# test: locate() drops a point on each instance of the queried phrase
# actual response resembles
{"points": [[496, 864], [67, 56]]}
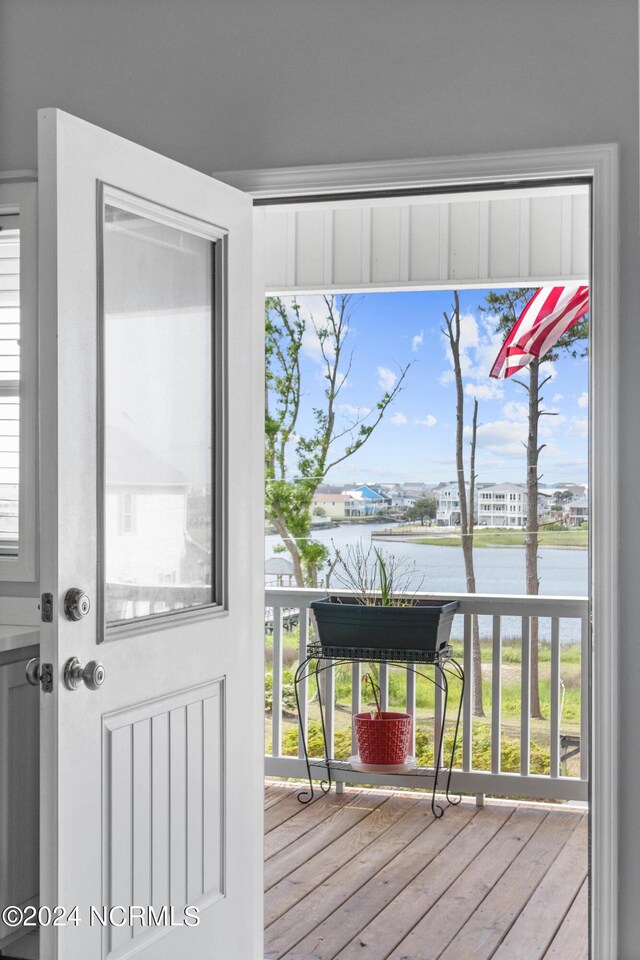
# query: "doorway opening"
{"points": [[404, 267]]}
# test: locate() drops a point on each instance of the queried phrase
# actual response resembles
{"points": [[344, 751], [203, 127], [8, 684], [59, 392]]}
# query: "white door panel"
{"points": [[151, 792]]}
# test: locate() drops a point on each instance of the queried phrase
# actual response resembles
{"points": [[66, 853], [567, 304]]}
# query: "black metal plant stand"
{"points": [[322, 658]]}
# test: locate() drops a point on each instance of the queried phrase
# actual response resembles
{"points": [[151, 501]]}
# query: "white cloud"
{"points": [[387, 379], [398, 419], [485, 391], [557, 397], [548, 369], [429, 421], [515, 411], [583, 400], [503, 437], [417, 341], [350, 411], [480, 344], [579, 427]]}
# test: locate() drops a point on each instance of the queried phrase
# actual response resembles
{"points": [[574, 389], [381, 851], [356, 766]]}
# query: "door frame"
{"points": [[599, 164]]}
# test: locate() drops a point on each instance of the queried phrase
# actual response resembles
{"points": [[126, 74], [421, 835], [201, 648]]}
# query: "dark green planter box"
{"points": [[345, 622]]}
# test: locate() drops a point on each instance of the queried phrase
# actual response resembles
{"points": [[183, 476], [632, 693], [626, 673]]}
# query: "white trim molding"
{"points": [[597, 164]]}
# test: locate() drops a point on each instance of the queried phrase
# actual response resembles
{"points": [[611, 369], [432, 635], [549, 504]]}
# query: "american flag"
{"points": [[550, 313]]}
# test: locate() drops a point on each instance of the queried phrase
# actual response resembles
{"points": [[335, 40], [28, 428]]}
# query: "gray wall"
{"points": [[224, 84]]}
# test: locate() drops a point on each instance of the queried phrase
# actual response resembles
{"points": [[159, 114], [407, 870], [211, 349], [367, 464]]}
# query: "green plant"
{"points": [[288, 691], [374, 577], [315, 744]]}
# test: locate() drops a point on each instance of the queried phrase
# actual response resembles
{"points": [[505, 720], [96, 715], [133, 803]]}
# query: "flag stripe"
{"points": [[547, 316]]}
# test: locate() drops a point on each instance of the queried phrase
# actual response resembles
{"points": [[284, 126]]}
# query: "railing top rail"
{"points": [[489, 604]]}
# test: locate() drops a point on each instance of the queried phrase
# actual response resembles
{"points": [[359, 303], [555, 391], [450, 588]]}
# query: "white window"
{"points": [[127, 513]]}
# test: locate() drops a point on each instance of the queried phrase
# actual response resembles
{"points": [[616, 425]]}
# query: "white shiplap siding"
{"points": [[529, 236]]}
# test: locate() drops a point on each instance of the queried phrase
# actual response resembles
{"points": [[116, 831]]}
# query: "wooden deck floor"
{"points": [[372, 875]]}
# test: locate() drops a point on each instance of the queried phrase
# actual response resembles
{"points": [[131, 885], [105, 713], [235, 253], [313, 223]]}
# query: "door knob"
{"points": [[76, 604], [40, 674], [32, 671], [75, 673]]}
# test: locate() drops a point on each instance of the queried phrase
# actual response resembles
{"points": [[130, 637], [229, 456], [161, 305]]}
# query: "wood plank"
{"points": [[443, 921], [483, 933], [308, 816], [306, 897], [538, 923], [341, 885], [571, 942], [287, 807], [315, 827], [388, 917], [276, 790], [313, 870], [340, 928]]}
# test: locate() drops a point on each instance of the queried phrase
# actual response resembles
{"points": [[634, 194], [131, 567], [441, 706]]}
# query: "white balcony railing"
{"points": [[556, 616]]}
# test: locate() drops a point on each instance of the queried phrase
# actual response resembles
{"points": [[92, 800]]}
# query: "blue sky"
{"points": [[416, 439]]}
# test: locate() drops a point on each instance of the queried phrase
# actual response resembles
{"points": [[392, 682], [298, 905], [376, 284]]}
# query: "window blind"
{"points": [[9, 389]]}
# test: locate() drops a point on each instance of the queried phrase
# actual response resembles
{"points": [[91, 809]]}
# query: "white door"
{"points": [[151, 395]]}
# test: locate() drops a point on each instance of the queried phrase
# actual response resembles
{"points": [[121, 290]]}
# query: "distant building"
{"points": [[502, 505], [278, 572], [578, 512], [397, 495], [448, 504], [333, 504], [365, 501]]}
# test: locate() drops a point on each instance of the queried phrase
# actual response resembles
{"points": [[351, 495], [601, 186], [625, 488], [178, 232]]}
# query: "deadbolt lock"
{"points": [[75, 674], [76, 604]]}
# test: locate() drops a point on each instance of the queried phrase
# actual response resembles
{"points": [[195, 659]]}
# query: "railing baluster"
{"points": [[467, 719], [303, 689], [496, 696], [585, 664], [437, 715], [356, 681], [525, 698], [329, 706], [411, 704], [276, 710], [384, 685], [554, 730]]}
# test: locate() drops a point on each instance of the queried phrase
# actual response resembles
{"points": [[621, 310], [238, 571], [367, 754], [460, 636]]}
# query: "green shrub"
{"points": [[288, 691], [315, 745], [509, 754]]}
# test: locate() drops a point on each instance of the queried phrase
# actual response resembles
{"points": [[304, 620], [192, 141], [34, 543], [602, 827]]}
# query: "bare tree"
{"points": [[288, 498], [452, 333], [509, 304]]}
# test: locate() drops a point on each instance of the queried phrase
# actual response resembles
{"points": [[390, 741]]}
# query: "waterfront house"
{"points": [[365, 501], [578, 512], [447, 499], [334, 505], [502, 505]]}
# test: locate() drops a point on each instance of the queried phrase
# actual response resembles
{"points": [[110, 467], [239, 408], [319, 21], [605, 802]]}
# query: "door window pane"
{"points": [[158, 471]]}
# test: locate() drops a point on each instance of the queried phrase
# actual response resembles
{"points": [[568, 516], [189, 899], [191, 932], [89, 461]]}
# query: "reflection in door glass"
{"points": [[157, 347], [9, 389]]}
